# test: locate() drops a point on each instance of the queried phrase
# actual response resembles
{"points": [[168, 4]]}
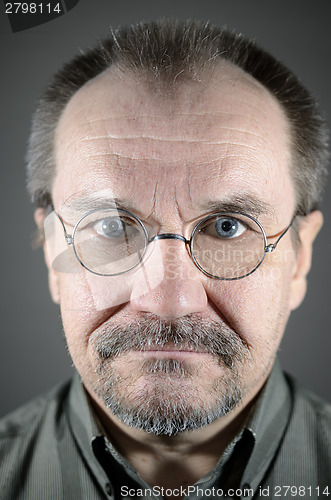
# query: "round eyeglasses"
{"points": [[224, 246]]}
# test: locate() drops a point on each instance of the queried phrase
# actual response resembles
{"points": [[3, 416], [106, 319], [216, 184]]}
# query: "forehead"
{"points": [[226, 134]]}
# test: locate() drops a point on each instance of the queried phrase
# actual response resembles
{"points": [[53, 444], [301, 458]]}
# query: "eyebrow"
{"points": [[246, 202], [86, 203]]}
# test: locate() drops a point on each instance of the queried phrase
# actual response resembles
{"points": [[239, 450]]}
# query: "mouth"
{"points": [[172, 351]]}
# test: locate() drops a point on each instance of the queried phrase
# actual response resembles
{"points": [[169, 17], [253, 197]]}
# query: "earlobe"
{"points": [[309, 227], [39, 217]]}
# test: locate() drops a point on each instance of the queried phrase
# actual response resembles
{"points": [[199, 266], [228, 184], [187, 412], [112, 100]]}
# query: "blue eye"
{"points": [[110, 227], [227, 227]]}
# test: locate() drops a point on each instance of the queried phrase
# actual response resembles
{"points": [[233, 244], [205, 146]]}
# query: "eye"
{"points": [[110, 227], [228, 227]]}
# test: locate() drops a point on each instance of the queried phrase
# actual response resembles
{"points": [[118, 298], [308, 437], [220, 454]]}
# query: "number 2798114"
{"points": [[32, 8]]}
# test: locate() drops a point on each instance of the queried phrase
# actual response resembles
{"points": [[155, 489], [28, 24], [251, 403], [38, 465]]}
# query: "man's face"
{"points": [[172, 159]]}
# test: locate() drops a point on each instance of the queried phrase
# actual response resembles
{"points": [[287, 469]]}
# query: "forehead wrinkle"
{"points": [[135, 120], [142, 158], [154, 200], [118, 149], [135, 116], [147, 136], [83, 118], [129, 162], [189, 189], [112, 135], [115, 160], [144, 138]]}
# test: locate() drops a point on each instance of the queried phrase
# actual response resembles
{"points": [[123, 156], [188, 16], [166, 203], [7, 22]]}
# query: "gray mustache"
{"points": [[188, 333]]}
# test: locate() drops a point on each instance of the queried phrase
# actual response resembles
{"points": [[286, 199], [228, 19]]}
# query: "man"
{"points": [[176, 172]]}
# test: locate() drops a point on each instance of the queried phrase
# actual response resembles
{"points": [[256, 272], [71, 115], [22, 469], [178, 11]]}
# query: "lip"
{"points": [[170, 347], [171, 351]]}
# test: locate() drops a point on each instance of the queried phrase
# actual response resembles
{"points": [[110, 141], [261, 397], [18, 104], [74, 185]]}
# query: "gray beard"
{"points": [[163, 409]]}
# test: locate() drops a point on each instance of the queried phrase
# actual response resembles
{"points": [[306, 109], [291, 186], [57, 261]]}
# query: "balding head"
{"points": [[169, 54]]}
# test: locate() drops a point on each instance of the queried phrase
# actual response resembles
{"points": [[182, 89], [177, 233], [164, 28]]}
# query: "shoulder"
{"points": [[308, 407], [22, 421], [28, 440], [306, 448]]}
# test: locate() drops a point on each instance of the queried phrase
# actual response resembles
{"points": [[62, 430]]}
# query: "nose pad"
{"points": [[177, 285]]}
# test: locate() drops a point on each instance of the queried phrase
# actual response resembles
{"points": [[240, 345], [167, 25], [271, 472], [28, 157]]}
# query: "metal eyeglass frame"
{"points": [[268, 248]]}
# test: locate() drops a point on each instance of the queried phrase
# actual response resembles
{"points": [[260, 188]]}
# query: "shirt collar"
{"points": [[268, 424]]}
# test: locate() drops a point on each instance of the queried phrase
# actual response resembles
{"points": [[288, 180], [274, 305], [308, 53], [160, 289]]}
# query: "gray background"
{"points": [[33, 355]]}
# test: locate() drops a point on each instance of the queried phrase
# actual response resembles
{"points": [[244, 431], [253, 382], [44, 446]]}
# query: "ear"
{"points": [[309, 227], [53, 281]]}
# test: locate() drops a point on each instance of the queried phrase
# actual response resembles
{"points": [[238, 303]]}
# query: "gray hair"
{"points": [[168, 52]]}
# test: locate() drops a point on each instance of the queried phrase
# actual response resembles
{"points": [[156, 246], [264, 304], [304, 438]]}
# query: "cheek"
{"points": [[80, 315], [256, 307]]}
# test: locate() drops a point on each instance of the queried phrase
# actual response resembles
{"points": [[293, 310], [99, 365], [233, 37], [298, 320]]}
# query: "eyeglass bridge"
{"points": [[169, 236]]}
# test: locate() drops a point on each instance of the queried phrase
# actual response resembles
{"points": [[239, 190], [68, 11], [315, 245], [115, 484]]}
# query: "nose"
{"points": [[178, 287]]}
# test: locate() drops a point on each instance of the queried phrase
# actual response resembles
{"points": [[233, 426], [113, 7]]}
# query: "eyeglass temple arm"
{"points": [[271, 247], [68, 237]]}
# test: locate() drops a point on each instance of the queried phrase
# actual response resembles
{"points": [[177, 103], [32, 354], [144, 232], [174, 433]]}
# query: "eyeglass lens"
{"points": [[228, 246], [108, 242]]}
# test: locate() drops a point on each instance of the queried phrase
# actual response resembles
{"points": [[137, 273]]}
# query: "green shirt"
{"points": [[52, 448]]}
